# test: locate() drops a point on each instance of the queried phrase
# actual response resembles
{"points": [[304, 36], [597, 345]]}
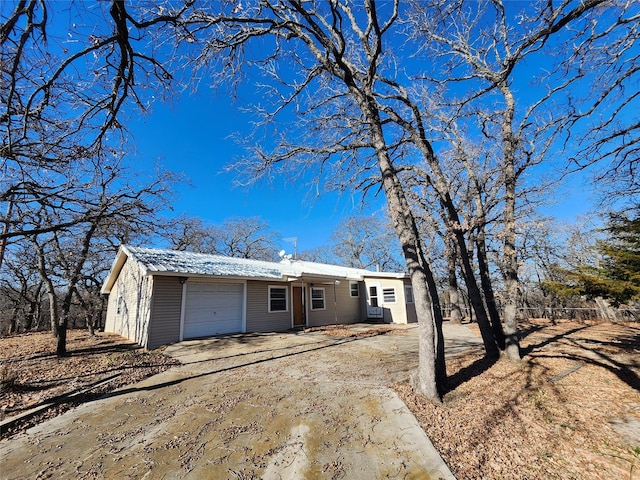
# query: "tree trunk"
{"points": [[475, 298], [606, 311], [13, 323], [33, 312], [5, 229], [441, 367], [90, 325], [487, 289], [454, 231], [53, 310], [430, 378], [455, 315], [510, 263], [61, 347]]}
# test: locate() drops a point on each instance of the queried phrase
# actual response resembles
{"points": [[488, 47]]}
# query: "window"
{"points": [[408, 293], [354, 290], [317, 299], [389, 295], [277, 299]]}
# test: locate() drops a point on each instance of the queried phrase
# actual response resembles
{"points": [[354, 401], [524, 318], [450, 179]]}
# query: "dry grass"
{"points": [[569, 410], [351, 331]]}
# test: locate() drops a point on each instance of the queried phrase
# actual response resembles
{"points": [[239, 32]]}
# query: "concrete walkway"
{"points": [[270, 406]]}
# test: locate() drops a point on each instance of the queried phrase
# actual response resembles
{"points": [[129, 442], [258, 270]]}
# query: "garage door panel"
{"points": [[213, 309]]}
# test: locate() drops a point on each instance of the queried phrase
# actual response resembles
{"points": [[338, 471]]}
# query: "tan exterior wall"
{"points": [[259, 319], [327, 316], [136, 298], [129, 305], [338, 301], [393, 312], [166, 307]]}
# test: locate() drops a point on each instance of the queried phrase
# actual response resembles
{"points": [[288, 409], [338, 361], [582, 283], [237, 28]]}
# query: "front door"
{"points": [[299, 317], [374, 310]]}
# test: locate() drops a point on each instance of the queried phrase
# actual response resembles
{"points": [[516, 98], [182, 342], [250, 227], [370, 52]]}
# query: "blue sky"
{"points": [[192, 137]]}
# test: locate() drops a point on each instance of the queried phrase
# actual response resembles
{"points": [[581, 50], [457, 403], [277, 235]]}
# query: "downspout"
{"points": [[183, 305], [335, 300]]}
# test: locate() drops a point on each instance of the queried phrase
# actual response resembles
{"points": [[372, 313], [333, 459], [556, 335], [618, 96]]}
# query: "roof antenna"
{"points": [[294, 240]]}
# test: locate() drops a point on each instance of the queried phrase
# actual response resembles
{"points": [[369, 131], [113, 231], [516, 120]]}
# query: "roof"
{"points": [[179, 263]]}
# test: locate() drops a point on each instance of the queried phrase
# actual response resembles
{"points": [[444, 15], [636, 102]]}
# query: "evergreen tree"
{"points": [[617, 277]]}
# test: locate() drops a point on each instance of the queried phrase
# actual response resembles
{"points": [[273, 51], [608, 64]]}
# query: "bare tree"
{"points": [[242, 237], [321, 254], [335, 57], [246, 238], [72, 74], [64, 254], [21, 290], [67, 88], [186, 233], [604, 123], [366, 242], [482, 59]]}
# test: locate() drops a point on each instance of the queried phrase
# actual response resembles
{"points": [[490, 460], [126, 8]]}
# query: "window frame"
{"points": [[324, 301], [351, 290], [270, 299], [385, 293]]}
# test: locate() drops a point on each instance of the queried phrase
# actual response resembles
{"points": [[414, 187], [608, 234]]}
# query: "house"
{"points": [[158, 297]]}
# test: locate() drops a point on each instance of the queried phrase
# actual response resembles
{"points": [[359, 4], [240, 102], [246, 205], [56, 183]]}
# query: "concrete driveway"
{"points": [[270, 406]]}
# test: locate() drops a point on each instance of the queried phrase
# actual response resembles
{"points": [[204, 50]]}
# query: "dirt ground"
{"points": [[569, 410], [31, 375]]}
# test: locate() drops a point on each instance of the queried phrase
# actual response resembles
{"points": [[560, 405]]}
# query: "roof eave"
{"points": [[209, 276], [114, 271]]}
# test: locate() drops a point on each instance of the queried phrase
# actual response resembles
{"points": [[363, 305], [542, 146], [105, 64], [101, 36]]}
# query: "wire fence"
{"points": [[583, 313], [572, 313]]}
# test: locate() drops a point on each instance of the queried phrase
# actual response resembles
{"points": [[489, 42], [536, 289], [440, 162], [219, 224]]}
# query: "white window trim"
{"points": [[395, 295], [324, 298], [408, 293], [286, 299], [351, 284]]}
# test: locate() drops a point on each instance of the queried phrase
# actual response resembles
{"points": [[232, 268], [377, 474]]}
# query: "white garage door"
{"points": [[212, 309]]}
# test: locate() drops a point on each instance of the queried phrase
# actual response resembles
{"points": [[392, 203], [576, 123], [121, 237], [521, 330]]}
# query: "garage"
{"points": [[212, 309]]}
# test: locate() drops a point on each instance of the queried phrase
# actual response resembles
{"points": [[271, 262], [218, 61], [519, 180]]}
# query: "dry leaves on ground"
{"points": [[569, 410], [348, 331], [32, 375]]}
